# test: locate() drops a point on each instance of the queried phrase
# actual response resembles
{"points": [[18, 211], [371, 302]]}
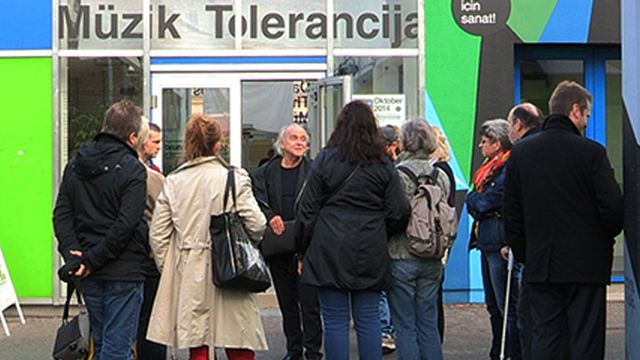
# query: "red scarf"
{"points": [[489, 169]]}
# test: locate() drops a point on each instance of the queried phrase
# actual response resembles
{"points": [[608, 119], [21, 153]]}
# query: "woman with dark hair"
{"points": [[189, 311], [352, 203]]}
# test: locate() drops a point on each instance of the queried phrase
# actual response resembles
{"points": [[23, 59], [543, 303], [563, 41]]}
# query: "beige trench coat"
{"points": [[189, 311]]}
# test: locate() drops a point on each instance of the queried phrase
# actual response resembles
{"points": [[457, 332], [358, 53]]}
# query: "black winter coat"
{"points": [[100, 211], [267, 185], [562, 206], [344, 235]]}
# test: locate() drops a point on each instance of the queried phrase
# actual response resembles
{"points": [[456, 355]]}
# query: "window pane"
{"points": [[194, 25], [267, 106], [384, 75], [178, 105], [96, 24], [284, 24], [386, 25], [90, 86], [540, 77]]}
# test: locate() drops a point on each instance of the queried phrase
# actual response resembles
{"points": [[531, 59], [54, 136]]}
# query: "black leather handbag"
{"points": [[73, 339], [236, 261], [285, 243]]}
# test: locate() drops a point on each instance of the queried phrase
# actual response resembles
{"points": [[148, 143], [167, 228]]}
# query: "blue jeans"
{"points": [[336, 307], [494, 279], [414, 306], [114, 310], [385, 316]]}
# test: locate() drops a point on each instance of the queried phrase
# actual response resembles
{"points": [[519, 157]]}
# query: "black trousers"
{"points": [[569, 316], [300, 308], [525, 324], [149, 350]]}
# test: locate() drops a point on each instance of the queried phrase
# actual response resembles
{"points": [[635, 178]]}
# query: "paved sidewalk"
{"points": [[467, 335]]}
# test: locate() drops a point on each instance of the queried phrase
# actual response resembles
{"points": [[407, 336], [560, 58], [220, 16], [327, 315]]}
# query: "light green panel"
{"points": [[453, 61], [529, 18], [26, 174]]}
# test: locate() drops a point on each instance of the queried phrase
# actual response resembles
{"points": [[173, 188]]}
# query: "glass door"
{"points": [[327, 97], [538, 69], [176, 97]]}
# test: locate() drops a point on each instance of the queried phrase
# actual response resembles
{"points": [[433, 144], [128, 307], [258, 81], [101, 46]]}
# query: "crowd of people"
{"points": [[138, 245]]}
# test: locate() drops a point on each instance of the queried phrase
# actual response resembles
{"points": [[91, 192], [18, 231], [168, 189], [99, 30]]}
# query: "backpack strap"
{"points": [[431, 178], [434, 176], [410, 174]]}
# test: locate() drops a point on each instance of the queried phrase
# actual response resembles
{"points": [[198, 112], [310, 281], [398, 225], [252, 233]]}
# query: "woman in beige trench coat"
{"points": [[189, 311]]}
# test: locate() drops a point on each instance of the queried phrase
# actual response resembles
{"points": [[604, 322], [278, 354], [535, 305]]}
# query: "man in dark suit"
{"points": [[525, 120], [562, 209]]}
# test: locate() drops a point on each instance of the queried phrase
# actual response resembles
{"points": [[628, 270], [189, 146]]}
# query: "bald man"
{"points": [[524, 120]]}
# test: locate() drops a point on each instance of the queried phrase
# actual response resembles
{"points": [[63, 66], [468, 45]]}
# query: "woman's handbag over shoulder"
{"points": [[73, 339], [236, 261]]}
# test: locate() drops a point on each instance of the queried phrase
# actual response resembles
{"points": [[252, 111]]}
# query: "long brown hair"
{"points": [[357, 136], [201, 137]]}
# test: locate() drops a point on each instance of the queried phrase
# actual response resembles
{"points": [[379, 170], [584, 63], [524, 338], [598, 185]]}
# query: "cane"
{"points": [[505, 313]]}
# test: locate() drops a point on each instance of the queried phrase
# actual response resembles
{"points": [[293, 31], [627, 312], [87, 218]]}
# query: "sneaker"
{"points": [[388, 344]]}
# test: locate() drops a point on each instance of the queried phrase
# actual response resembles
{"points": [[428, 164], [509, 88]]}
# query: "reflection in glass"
{"points": [[92, 85], [540, 77], [178, 104]]}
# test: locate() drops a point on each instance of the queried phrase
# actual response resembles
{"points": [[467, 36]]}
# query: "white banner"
{"points": [[8, 295], [389, 109]]}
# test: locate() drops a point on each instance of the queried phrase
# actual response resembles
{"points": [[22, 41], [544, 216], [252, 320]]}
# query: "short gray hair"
{"points": [[417, 135], [497, 130], [283, 131]]}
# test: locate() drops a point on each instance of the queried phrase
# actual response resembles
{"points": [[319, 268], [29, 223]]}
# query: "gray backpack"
{"points": [[433, 225]]}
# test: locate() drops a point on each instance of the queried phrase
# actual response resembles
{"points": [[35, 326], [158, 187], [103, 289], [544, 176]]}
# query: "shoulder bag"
{"points": [[73, 339], [236, 261]]}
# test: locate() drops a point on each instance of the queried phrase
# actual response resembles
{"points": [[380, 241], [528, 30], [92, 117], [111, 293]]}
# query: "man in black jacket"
{"points": [[277, 185], [98, 220], [525, 120], [562, 210]]}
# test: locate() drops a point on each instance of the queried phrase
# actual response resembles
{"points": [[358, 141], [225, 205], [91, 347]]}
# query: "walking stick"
{"points": [[506, 305]]}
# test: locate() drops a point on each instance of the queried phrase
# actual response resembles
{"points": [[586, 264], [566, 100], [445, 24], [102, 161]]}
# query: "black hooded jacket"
{"points": [[99, 211]]}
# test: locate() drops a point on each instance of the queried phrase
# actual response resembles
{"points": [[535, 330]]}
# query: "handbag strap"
{"points": [[231, 187], [71, 287], [343, 183]]}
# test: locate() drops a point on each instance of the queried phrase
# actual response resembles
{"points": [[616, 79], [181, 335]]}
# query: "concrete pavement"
{"points": [[467, 334]]}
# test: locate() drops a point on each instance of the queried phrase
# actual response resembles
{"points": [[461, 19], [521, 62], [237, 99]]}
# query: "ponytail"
{"points": [[202, 134]]}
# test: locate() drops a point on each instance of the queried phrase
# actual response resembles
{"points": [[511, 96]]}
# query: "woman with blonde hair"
{"points": [[189, 311]]}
